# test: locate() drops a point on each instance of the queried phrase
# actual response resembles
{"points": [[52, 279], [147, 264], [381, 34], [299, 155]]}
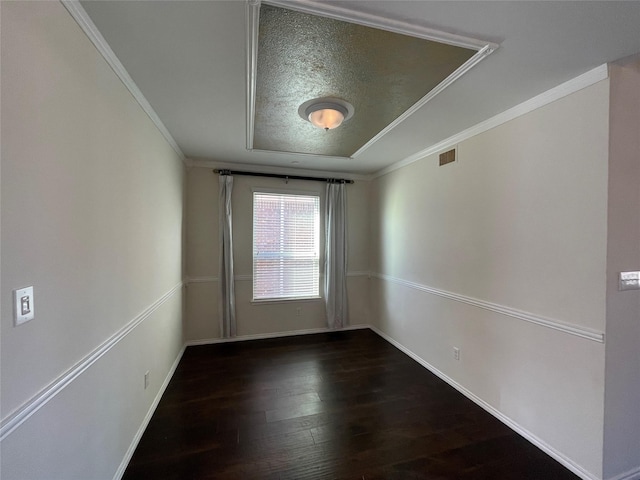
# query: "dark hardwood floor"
{"points": [[343, 405]]}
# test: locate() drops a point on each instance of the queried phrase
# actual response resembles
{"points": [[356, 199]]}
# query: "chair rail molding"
{"points": [[538, 442], [583, 332], [246, 278], [39, 400]]}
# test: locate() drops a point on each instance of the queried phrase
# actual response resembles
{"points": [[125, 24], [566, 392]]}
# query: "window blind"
{"points": [[286, 246]]}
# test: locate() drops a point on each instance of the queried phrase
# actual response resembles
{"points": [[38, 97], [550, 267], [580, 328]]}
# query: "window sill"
{"points": [[286, 300]]}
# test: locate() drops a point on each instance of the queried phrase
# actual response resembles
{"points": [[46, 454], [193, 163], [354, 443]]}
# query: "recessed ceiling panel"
{"points": [[301, 57]]}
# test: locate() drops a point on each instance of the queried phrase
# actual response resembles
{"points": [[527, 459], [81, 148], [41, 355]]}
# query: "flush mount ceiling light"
{"points": [[293, 58], [326, 113]]}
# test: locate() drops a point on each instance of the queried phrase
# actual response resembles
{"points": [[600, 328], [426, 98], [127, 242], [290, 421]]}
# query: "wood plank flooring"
{"points": [[343, 405]]}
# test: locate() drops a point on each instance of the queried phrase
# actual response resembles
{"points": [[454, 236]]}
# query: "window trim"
{"points": [[321, 239]]}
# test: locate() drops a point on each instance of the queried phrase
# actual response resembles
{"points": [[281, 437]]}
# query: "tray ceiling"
{"points": [[381, 73], [189, 60]]}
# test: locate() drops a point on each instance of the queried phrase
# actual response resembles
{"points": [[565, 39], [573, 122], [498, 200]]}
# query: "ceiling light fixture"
{"points": [[326, 113]]}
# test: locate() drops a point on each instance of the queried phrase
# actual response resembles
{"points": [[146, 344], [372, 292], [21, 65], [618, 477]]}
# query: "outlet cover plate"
{"points": [[629, 281], [456, 353]]}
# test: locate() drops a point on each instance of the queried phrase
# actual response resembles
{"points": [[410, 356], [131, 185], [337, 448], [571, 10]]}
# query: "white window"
{"points": [[286, 246]]}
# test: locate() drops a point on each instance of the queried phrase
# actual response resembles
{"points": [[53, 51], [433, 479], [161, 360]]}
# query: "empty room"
{"points": [[297, 239]]}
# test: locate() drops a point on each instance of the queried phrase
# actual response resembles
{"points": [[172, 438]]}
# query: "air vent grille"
{"points": [[448, 157]]}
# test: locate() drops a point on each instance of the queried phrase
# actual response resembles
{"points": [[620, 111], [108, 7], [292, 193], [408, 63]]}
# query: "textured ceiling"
{"points": [[189, 59], [303, 56]]}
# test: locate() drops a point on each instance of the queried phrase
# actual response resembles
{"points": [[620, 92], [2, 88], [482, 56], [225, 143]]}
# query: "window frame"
{"points": [[285, 192]]}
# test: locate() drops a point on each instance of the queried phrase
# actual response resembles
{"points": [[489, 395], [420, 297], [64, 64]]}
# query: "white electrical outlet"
{"points": [[146, 379], [23, 305], [456, 353], [629, 281]]}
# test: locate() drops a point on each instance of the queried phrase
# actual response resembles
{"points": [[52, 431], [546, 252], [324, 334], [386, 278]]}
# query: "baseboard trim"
{"points": [[264, 336], [545, 447], [35, 403], [143, 426], [633, 474], [576, 330], [542, 445]]}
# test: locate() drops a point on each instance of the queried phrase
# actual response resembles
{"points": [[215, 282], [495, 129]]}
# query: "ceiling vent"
{"points": [[448, 157]]}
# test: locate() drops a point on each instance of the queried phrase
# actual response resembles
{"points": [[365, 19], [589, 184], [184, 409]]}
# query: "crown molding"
{"points": [[337, 12], [83, 20], [567, 88], [464, 68], [253, 22], [300, 154]]}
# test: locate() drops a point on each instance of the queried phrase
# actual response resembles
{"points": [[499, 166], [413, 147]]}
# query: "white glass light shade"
{"points": [[326, 113], [326, 118]]}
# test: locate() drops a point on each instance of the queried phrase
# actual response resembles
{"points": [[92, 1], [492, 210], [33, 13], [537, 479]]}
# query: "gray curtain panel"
{"points": [[335, 271], [227, 300]]}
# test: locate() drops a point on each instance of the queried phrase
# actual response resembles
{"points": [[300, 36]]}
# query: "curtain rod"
{"points": [[278, 175]]}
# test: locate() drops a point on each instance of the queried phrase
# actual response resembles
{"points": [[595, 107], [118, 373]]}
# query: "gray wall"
{"points": [[92, 212], [511, 254], [469, 254], [272, 317], [622, 397]]}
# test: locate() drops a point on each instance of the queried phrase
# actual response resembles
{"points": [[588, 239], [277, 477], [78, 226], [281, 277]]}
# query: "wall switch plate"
{"points": [[629, 281], [23, 305], [146, 379]]}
